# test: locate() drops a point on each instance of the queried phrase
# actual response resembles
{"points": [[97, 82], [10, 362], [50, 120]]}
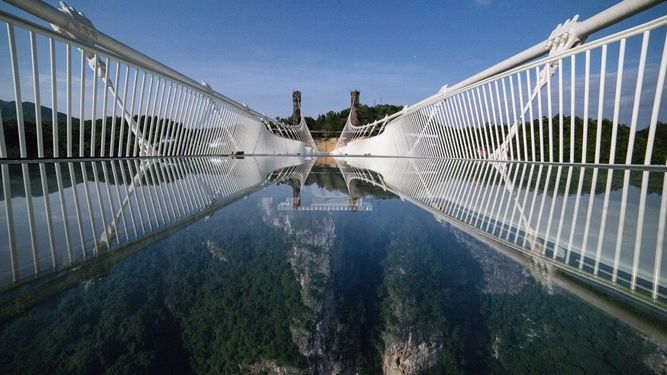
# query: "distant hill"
{"points": [[8, 110]]}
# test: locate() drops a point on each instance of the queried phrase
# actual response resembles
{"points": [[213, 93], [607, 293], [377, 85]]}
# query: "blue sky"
{"points": [[392, 51]]}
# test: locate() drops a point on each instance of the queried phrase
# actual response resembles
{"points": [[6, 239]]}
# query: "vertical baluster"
{"points": [[89, 206], [105, 100], [137, 124], [17, 91], [144, 144], [36, 89], [631, 142], [123, 111], [63, 212], [660, 239], [9, 212], [151, 124], [112, 141], [82, 102], [561, 134], [647, 161], [131, 124], [93, 105], [54, 100], [529, 91], [112, 231]]}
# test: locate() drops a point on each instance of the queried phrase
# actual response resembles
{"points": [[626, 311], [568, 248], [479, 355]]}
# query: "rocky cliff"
{"points": [[311, 259]]}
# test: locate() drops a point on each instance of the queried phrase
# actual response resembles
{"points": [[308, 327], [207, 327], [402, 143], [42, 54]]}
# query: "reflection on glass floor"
{"points": [[328, 204], [94, 207], [604, 226], [598, 223]]}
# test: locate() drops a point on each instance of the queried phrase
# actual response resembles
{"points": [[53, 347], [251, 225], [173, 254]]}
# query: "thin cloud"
{"points": [[482, 2]]}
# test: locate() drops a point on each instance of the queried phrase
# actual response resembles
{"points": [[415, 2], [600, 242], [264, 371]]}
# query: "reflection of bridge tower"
{"points": [[296, 192], [353, 176], [354, 195], [295, 177]]}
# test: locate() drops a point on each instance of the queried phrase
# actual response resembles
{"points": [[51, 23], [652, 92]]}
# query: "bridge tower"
{"points": [[354, 107], [296, 107]]}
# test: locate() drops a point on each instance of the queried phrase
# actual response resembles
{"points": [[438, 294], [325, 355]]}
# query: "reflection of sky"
{"points": [[423, 181]]}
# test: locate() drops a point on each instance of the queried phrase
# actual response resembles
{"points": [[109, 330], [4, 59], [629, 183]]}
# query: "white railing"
{"points": [[552, 213], [353, 132], [583, 103], [298, 132], [104, 99]]}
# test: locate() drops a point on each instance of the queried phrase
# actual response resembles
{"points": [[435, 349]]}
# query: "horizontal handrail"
{"points": [[606, 18]]}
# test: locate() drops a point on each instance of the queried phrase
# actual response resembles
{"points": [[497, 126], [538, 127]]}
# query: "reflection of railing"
{"points": [[539, 211], [551, 110], [107, 205], [351, 173], [130, 105]]}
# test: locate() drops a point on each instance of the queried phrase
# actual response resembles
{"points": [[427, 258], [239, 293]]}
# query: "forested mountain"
{"points": [[8, 110]]}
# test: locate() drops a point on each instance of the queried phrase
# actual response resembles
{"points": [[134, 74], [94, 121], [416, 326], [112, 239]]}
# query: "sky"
{"points": [[395, 52]]}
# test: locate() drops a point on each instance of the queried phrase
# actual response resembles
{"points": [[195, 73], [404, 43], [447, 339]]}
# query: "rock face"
{"points": [[409, 357], [410, 345], [215, 251], [542, 272], [311, 259], [413, 341], [657, 362]]}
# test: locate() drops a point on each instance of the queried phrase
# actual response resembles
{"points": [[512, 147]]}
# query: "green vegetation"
{"points": [[184, 305], [335, 121], [154, 127], [221, 297], [528, 137], [13, 145], [536, 331], [423, 301]]}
